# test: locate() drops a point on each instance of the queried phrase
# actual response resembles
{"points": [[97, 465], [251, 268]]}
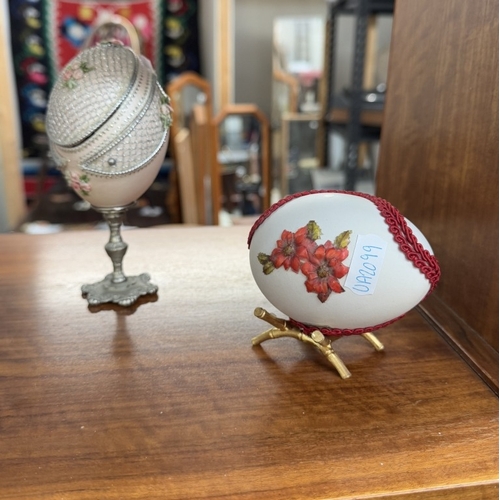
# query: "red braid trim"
{"points": [[308, 329]]}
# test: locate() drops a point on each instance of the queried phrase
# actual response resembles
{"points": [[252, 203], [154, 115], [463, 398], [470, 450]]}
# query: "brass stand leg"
{"points": [[325, 346], [374, 341], [282, 328]]}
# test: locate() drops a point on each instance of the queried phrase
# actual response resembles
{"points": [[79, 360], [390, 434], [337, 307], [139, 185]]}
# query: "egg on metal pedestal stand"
{"points": [[108, 122]]}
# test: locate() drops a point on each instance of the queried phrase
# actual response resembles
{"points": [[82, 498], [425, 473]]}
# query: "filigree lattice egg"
{"points": [[108, 124]]}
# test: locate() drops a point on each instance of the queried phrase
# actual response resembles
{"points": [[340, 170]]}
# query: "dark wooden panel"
{"points": [[169, 400], [439, 148], [471, 346]]}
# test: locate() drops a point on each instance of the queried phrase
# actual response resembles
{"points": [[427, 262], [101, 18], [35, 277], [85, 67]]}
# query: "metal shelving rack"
{"points": [[356, 129]]}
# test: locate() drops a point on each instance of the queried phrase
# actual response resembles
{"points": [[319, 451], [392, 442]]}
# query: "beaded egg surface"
{"points": [[341, 262], [108, 124]]}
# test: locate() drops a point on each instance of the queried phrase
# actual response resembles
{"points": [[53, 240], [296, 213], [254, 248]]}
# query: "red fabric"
{"points": [[308, 329], [86, 13]]}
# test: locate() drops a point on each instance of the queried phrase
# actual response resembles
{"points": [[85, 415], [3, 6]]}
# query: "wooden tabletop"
{"points": [[169, 400]]}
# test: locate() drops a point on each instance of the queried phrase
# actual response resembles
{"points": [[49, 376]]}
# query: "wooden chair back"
{"points": [[186, 176]]}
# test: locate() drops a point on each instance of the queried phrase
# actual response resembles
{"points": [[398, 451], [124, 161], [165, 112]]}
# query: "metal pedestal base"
{"points": [[123, 294], [116, 287]]}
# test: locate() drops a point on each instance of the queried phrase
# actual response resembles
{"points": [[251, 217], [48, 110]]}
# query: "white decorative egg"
{"points": [[341, 262], [108, 124]]}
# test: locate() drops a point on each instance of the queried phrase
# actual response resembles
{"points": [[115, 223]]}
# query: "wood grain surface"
{"points": [[168, 400], [439, 148]]}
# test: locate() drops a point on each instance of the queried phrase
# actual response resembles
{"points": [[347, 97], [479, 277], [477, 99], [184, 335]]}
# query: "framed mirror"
{"points": [[297, 128], [299, 52], [300, 144], [241, 163], [185, 91]]}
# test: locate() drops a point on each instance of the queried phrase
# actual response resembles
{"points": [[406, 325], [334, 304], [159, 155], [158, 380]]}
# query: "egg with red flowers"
{"points": [[341, 262]]}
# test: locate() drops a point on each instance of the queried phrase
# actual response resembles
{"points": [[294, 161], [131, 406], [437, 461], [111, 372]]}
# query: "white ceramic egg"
{"points": [[341, 262], [108, 124]]}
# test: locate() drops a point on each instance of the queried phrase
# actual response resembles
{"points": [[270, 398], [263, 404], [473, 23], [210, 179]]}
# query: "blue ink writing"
{"points": [[368, 271]]}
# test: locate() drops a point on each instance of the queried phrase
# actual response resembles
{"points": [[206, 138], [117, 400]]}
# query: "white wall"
{"points": [[207, 26], [207, 23]]}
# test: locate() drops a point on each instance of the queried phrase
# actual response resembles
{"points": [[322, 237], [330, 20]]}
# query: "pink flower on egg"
{"points": [[80, 183], [78, 74], [75, 72]]}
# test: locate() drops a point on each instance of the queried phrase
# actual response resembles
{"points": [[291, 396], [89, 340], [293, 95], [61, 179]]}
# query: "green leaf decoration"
{"points": [[85, 67], [267, 265], [268, 268], [342, 240], [313, 230], [263, 258]]}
